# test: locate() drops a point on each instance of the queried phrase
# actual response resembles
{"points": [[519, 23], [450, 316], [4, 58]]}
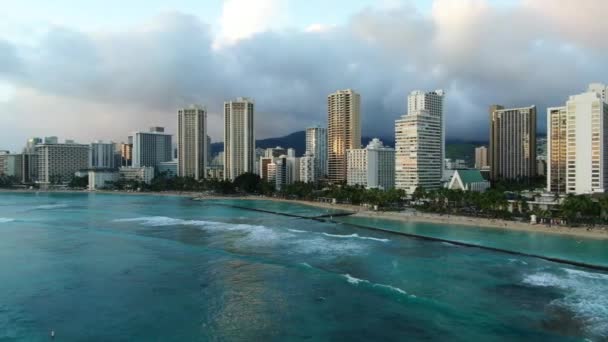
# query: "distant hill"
{"points": [[455, 149]]}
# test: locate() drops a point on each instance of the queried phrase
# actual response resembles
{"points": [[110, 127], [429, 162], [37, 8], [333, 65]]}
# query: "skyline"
{"points": [[97, 81]]}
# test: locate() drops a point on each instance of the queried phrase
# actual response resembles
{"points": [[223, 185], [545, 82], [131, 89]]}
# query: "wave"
{"points": [[6, 220], [517, 261], [296, 230], [356, 281], [355, 236], [585, 296], [51, 206], [449, 244]]}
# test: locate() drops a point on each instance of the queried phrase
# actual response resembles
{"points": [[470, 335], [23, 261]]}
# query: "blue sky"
{"points": [[89, 70]]}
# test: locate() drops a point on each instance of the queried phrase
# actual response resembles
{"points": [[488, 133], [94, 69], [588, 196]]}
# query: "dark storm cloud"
{"points": [[478, 53]]}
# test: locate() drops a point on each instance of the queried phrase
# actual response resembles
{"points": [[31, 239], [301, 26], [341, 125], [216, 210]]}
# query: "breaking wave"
{"points": [[355, 236], [357, 281], [6, 220], [585, 296]]}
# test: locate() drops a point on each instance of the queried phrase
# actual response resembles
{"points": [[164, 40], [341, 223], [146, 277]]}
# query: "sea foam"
{"points": [[6, 220], [357, 281], [51, 206], [585, 296], [355, 236]]}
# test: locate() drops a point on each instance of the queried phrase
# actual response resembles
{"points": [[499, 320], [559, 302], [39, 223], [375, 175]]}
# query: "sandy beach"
{"points": [[362, 211]]}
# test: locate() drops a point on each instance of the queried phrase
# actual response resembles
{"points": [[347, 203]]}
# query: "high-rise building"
{"points": [[557, 146], [239, 138], [102, 155], [51, 140], [57, 163], [275, 152], [209, 151], [432, 102], [308, 168], [30, 145], [3, 159], [419, 143], [126, 153], [372, 166], [316, 145], [343, 131], [151, 148], [481, 157], [512, 143], [577, 155], [287, 171], [192, 148], [264, 162]]}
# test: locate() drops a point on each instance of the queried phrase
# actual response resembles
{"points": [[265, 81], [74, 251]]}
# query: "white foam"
{"points": [[355, 236], [296, 230], [6, 220], [51, 206], [354, 280], [517, 261], [357, 281], [305, 264], [449, 244], [585, 296]]}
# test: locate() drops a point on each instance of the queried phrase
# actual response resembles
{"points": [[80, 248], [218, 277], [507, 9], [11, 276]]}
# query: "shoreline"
{"points": [[464, 222]]}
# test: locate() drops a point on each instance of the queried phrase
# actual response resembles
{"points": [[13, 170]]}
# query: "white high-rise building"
{"points": [[308, 170], [151, 148], [372, 166], [103, 155], [316, 145], [192, 140], [419, 150], [57, 163], [239, 138], [481, 157], [577, 152], [433, 103]]}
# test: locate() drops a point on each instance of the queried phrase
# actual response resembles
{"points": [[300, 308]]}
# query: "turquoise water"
{"points": [[96, 267]]}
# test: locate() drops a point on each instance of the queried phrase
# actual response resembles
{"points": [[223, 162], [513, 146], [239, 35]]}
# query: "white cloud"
{"points": [[241, 19]]}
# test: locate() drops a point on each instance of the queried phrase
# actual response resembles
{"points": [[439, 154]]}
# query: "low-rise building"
{"points": [[101, 179], [169, 168], [215, 172], [140, 174], [468, 180]]}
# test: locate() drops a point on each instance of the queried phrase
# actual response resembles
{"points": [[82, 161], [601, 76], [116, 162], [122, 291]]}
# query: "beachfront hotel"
{"points": [[192, 142], [343, 131], [372, 166], [316, 145], [512, 143], [103, 155], [151, 148], [239, 138], [576, 147], [420, 143], [57, 163]]}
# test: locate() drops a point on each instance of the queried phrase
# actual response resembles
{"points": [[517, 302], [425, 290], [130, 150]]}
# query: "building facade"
{"points": [[139, 174], [372, 166], [192, 142], [102, 155], [308, 168], [481, 157], [151, 148], [343, 131], [100, 179], [419, 150], [316, 145], [432, 102], [577, 143], [239, 138], [512, 143], [126, 153], [57, 163]]}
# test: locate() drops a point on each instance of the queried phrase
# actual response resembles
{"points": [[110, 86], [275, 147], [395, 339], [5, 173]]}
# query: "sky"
{"points": [[99, 70]]}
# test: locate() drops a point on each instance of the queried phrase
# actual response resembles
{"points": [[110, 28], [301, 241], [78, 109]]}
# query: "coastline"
{"points": [[359, 211]]}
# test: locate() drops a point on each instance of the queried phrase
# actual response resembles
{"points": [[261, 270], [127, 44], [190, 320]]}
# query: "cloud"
{"points": [[104, 85]]}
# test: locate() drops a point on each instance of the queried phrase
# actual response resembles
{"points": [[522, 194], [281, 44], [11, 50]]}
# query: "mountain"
{"points": [[455, 148]]}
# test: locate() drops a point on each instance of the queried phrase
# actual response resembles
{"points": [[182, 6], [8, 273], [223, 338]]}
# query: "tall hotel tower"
{"points": [[239, 139], [343, 130], [512, 143], [420, 142], [192, 142], [316, 145], [577, 137]]}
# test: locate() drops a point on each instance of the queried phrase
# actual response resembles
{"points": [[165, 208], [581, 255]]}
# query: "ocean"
{"points": [[110, 267]]}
